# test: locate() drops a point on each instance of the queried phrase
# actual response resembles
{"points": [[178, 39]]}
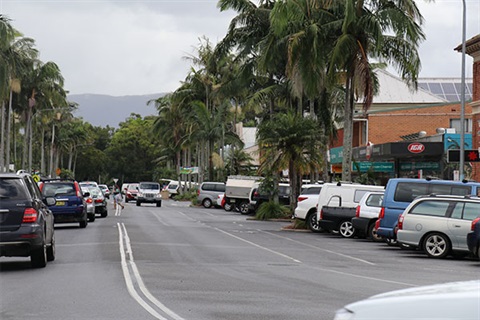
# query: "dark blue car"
{"points": [[473, 238], [70, 203]]}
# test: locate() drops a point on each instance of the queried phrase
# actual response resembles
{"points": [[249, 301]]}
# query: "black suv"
{"points": [[26, 223]]}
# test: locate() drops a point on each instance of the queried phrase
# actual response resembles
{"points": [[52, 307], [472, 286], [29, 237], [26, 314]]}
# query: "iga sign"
{"points": [[416, 147]]}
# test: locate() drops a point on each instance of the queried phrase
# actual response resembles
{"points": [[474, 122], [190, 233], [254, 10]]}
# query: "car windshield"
{"points": [[134, 186], [11, 189], [150, 186], [58, 189]]}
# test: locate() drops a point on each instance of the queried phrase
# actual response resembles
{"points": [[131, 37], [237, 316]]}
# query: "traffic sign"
{"points": [[36, 178], [470, 155]]}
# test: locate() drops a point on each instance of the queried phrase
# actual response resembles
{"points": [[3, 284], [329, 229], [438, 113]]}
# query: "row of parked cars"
{"points": [[29, 210], [440, 217]]}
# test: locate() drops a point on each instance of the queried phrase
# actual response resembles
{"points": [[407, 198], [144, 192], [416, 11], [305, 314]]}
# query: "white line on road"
{"points": [[258, 246], [317, 248], [126, 249]]}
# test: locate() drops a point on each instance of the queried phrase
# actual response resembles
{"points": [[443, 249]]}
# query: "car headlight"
{"points": [[344, 314]]}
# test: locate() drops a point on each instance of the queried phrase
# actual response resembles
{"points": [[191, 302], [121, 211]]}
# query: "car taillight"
{"points": [[30, 215], [377, 224], [301, 198], [223, 202], [89, 200], [357, 212], [474, 222], [198, 192], [400, 222], [98, 200], [321, 214], [381, 215]]}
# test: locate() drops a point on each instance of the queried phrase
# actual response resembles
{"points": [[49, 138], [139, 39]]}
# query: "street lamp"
{"points": [[462, 97]]}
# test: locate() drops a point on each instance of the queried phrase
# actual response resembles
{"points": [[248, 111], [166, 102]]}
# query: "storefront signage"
{"points": [[416, 147], [419, 166]]}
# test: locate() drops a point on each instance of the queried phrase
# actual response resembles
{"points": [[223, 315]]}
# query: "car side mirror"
{"points": [[50, 201]]}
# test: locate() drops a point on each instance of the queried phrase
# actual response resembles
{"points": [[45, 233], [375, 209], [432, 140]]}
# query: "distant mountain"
{"points": [[102, 110]]}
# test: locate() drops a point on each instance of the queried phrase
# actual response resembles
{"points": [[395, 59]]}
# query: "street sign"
{"points": [[36, 178], [115, 180], [470, 155]]}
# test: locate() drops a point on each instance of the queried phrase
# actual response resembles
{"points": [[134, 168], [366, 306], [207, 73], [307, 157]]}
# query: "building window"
{"points": [[455, 123]]}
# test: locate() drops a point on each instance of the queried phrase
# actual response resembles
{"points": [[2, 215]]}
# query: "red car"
{"points": [[131, 192]]}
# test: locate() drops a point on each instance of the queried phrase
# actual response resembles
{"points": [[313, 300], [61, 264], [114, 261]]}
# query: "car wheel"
{"points": [[228, 207], [244, 208], [126, 200], [104, 213], [91, 218], [207, 203], [83, 224], [51, 249], [138, 203], [159, 204], [436, 245], [372, 233], [38, 257], [346, 229], [312, 223]]}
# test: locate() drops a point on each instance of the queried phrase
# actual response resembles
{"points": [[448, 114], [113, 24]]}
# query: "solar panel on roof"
{"points": [[436, 88], [448, 88]]}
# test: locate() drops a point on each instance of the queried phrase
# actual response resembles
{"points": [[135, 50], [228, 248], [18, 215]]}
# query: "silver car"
{"points": [[438, 224]]}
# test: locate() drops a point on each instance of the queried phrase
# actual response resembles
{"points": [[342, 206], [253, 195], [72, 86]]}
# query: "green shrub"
{"points": [[272, 210], [187, 196]]}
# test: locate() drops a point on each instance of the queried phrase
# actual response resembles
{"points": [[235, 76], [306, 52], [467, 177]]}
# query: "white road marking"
{"points": [[126, 250], [320, 249]]}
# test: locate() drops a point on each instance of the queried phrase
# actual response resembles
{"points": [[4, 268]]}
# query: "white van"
{"points": [[343, 194]]}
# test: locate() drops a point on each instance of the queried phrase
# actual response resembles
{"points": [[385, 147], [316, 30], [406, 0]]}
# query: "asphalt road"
{"points": [[179, 262]]}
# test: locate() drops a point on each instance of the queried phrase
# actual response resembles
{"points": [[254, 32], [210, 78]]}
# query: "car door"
{"points": [[460, 222]]}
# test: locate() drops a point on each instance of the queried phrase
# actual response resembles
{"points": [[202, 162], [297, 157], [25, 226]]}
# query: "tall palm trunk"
{"points": [[348, 131], [2, 137], [9, 122]]}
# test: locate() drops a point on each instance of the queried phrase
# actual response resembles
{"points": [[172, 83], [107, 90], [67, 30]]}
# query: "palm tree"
{"points": [[289, 141], [378, 29]]}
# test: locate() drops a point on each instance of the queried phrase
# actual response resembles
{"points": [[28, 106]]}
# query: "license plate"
{"points": [[60, 203]]}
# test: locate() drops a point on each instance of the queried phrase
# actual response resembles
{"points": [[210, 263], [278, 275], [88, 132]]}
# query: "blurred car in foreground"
{"points": [[453, 301], [70, 204], [26, 223]]}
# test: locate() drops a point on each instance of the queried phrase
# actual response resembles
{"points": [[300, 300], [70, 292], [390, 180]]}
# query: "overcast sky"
{"points": [[137, 47]]}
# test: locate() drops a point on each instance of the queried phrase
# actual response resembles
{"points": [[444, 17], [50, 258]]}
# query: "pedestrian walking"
{"points": [[117, 197]]}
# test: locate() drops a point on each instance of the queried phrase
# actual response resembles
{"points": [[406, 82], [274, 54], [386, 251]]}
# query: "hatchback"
{"points": [[26, 223], [70, 204], [438, 224]]}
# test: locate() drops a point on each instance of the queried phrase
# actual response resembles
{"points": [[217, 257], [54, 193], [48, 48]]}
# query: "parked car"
{"points": [[237, 192], [366, 215], [99, 201], [208, 192], [89, 203], [70, 204], [149, 192], [400, 192], [88, 184], [453, 301], [105, 190], [26, 222], [258, 196], [473, 238], [337, 204], [223, 204], [131, 192], [307, 206], [438, 224]]}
